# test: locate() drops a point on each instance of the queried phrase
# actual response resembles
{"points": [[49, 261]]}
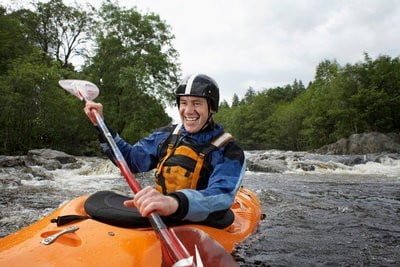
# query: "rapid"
{"points": [[321, 210]]}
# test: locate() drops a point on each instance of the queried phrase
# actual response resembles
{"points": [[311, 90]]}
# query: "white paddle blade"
{"points": [[80, 88]]}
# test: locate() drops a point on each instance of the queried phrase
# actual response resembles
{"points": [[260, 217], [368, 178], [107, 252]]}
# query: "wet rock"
{"points": [[74, 165], [49, 159], [357, 159], [394, 136], [51, 165], [12, 161], [305, 166], [364, 144], [273, 161], [9, 182], [265, 165], [12, 176], [40, 172]]}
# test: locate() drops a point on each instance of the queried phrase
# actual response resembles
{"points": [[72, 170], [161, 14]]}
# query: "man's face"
{"points": [[193, 111]]}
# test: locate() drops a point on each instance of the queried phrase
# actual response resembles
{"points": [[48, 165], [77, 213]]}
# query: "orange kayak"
{"points": [[93, 243]]}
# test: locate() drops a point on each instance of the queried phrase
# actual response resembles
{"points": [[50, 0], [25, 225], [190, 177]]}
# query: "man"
{"points": [[199, 166]]}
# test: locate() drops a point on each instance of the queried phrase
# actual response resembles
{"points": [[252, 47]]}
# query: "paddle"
{"points": [[174, 252]]}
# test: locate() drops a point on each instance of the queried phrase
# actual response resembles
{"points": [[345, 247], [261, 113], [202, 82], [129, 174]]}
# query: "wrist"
{"points": [[174, 204], [183, 205]]}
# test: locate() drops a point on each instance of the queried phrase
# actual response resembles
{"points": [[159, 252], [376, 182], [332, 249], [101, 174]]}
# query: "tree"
{"points": [[374, 87], [224, 105], [385, 80], [322, 98], [326, 72], [135, 66], [298, 87], [249, 96], [60, 31], [235, 101], [285, 125], [35, 112], [13, 41]]}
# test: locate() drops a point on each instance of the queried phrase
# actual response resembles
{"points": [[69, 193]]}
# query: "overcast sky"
{"points": [[266, 43]]}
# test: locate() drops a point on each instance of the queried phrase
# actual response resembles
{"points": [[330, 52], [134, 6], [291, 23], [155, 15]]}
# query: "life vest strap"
{"points": [[222, 139], [173, 146]]}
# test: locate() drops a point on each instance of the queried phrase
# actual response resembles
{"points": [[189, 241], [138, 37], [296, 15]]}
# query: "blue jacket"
{"points": [[227, 163]]}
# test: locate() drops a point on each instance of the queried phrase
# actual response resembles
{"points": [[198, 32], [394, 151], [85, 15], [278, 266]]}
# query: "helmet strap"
{"points": [[210, 120]]}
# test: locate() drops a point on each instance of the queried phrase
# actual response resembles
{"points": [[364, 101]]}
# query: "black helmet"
{"points": [[199, 85]]}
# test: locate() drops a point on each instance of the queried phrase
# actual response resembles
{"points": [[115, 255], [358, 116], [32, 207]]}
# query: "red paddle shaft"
{"points": [[171, 243]]}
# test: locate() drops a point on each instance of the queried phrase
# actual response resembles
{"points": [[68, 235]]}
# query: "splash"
{"points": [[304, 162]]}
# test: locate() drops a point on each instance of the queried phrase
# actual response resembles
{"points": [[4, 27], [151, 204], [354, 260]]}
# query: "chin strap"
{"points": [[209, 120]]}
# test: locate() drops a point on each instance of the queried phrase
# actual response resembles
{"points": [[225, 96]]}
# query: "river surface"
{"points": [[320, 210]]}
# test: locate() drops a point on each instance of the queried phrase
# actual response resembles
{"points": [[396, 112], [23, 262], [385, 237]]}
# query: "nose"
{"points": [[189, 108]]}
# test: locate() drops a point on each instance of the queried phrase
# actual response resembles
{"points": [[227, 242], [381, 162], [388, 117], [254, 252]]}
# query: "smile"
{"points": [[191, 118]]}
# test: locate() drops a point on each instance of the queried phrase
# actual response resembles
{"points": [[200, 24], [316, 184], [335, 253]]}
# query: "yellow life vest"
{"points": [[182, 165]]}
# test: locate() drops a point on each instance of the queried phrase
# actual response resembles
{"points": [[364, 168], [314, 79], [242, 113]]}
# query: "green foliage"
{"points": [[139, 47], [223, 104], [13, 41], [58, 30], [252, 120], [235, 100], [134, 65], [34, 112], [352, 99], [340, 101]]}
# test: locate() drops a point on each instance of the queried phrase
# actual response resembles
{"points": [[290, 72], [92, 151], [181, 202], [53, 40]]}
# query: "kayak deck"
{"points": [[100, 244]]}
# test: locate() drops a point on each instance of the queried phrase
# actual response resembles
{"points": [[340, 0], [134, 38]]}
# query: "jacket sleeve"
{"points": [[229, 167], [142, 156]]}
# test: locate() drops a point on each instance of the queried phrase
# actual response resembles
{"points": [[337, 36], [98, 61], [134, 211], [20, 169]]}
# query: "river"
{"points": [[321, 210]]}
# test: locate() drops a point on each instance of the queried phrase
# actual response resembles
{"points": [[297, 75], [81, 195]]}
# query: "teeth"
{"points": [[191, 119]]}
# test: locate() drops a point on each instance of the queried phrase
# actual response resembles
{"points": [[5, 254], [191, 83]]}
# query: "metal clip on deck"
{"points": [[50, 239]]}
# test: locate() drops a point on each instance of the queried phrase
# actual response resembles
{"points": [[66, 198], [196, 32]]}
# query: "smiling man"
{"points": [[199, 167], [194, 113]]}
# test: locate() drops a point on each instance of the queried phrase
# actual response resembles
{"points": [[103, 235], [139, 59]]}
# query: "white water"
{"points": [[372, 164], [322, 210], [388, 167], [94, 174]]}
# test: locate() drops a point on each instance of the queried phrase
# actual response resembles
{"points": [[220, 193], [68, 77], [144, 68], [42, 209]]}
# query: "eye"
{"points": [[198, 103]]}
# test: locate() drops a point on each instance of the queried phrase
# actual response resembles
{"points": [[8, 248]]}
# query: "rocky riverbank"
{"points": [[321, 209], [358, 149], [364, 143], [36, 164]]}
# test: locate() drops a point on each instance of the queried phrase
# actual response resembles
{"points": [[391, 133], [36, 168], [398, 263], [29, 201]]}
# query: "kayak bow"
{"points": [[100, 244]]}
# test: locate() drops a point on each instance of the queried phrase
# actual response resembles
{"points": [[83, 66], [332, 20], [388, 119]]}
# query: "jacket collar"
{"points": [[206, 135]]}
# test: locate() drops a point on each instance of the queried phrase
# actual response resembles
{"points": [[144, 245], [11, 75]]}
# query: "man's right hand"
{"points": [[149, 200], [89, 107]]}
